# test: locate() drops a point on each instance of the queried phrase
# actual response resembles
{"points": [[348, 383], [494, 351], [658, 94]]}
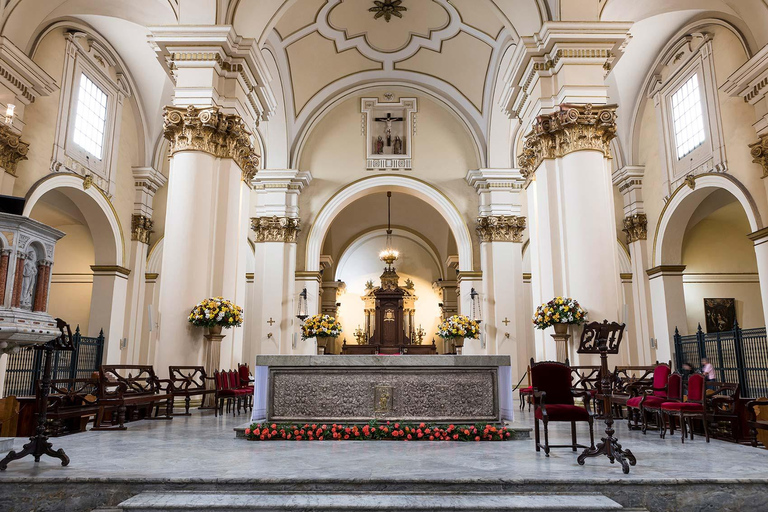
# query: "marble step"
{"points": [[366, 502], [6, 444]]}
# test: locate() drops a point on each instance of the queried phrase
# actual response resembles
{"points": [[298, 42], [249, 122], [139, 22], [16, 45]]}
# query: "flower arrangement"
{"points": [[458, 326], [216, 311], [375, 431], [320, 326], [560, 310]]}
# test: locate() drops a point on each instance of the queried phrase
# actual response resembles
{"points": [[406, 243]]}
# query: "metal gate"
{"points": [[26, 366]]}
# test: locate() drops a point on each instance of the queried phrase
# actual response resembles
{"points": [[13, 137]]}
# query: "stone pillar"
{"points": [[108, 298], [312, 281], [668, 300], [570, 199], [212, 163], [466, 281], [5, 255], [760, 239], [500, 228], [275, 223], [629, 180], [146, 182], [17, 277], [43, 283], [212, 360]]}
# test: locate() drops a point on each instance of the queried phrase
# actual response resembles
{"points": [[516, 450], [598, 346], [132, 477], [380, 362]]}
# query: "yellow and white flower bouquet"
{"points": [[216, 311], [320, 326], [560, 310], [458, 326]]}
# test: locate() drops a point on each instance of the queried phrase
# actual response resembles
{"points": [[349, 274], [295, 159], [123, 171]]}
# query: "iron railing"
{"points": [[26, 366], [738, 356]]}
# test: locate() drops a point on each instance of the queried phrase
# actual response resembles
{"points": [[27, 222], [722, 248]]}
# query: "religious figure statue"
{"points": [[388, 121], [28, 280], [379, 149], [398, 146]]}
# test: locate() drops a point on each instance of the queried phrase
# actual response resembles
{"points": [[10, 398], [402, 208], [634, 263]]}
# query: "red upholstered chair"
{"points": [[693, 407], [526, 393], [652, 396], [553, 396], [246, 383], [241, 394], [674, 394]]}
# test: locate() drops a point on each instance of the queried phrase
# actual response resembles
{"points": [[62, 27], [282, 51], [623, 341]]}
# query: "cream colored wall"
{"points": [[40, 119], [335, 154], [737, 118], [716, 247]]}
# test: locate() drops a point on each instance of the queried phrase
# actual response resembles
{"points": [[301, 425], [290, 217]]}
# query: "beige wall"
{"points": [[335, 155]]}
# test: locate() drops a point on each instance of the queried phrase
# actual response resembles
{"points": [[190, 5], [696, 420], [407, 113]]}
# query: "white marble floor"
{"points": [[204, 447]]}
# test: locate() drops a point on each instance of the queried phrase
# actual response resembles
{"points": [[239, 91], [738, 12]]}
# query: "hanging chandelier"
{"points": [[389, 255]]}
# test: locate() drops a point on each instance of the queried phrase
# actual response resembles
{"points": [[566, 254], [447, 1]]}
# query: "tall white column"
{"points": [[276, 227], [206, 227], [573, 236], [500, 227], [108, 298], [629, 179], [668, 300], [760, 239], [147, 181]]}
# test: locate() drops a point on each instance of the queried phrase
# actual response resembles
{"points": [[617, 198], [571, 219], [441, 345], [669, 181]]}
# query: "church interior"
{"points": [[225, 215]]}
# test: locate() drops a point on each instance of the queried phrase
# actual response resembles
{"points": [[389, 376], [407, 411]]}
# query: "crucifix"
{"points": [[389, 119], [505, 321], [270, 321]]}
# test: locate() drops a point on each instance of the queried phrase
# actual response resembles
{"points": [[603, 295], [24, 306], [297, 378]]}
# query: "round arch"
{"points": [[98, 211], [380, 232], [401, 184], [668, 239]]}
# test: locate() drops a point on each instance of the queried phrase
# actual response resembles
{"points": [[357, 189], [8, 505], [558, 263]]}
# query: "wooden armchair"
{"points": [[693, 408], [725, 410], [553, 394], [758, 420]]}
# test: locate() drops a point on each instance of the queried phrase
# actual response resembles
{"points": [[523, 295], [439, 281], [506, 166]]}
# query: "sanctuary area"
{"points": [[244, 242]]}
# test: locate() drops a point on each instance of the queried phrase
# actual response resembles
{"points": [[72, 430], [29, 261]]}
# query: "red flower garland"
{"points": [[375, 431]]}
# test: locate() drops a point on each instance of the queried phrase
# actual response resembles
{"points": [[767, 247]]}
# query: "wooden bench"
{"points": [[189, 381], [758, 420], [122, 386], [72, 403]]}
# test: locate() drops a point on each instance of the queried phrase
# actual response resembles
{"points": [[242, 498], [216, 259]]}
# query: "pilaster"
{"points": [[760, 239], [668, 301]]}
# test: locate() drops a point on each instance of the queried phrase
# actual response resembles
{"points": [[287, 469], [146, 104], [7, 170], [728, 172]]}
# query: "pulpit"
{"points": [[390, 328]]}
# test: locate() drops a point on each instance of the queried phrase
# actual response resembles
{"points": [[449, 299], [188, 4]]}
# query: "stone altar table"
{"points": [[327, 389]]}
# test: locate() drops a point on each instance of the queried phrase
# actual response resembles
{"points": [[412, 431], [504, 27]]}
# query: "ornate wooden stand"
{"points": [[38, 444], [605, 339]]}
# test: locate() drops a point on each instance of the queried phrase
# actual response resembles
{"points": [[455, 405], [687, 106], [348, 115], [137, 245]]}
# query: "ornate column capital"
{"points": [[213, 132], [568, 129], [141, 227], [275, 229], [636, 227], [759, 152], [500, 228], [12, 149]]}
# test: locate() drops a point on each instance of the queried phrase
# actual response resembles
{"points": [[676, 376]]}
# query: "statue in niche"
{"points": [[398, 150], [29, 280], [388, 121], [379, 149]]}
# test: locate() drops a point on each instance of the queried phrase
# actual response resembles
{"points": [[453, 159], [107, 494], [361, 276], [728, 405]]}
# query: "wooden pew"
{"points": [[189, 381], [122, 386], [72, 403]]}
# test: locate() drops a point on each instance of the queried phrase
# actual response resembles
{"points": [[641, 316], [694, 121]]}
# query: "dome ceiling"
{"points": [[326, 47]]}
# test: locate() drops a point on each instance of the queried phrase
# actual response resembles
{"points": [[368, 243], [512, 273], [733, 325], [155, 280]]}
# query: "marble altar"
{"points": [[326, 388]]}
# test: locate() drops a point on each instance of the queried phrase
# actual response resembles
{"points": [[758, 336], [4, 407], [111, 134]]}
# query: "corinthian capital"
{"points": [[275, 229], [211, 131], [571, 128], [759, 152], [636, 227], [12, 150], [141, 228], [500, 228]]}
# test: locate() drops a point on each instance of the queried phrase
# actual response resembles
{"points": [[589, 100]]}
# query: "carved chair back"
{"points": [[128, 380], [187, 378], [221, 379], [234, 379], [675, 387], [555, 380], [586, 377], [71, 393], [244, 373], [697, 385], [660, 380], [627, 377]]}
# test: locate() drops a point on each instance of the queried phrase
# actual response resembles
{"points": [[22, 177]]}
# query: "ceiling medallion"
{"points": [[387, 9]]}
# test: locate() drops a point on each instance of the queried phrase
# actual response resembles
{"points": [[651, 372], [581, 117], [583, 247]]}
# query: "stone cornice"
{"points": [[665, 270], [22, 75], [636, 227], [759, 152], [12, 149], [568, 129], [211, 131], [500, 228], [275, 229], [148, 178], [750, 81]]}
